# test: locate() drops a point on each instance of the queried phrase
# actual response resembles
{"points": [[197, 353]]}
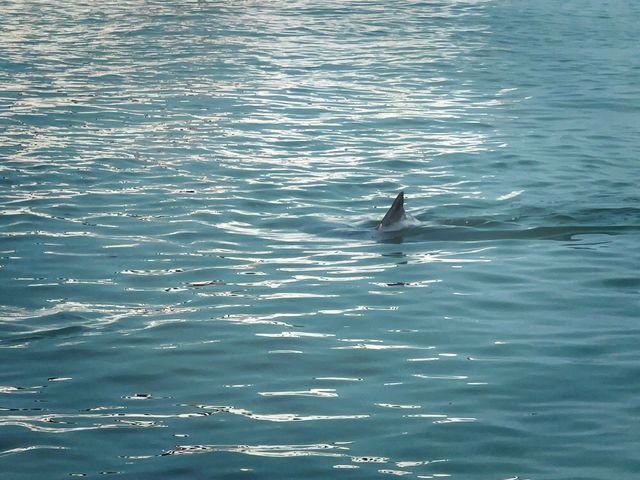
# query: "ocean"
{"points": [[192, 284]]}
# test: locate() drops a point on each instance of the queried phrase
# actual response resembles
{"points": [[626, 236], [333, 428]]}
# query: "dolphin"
{"points": [[393, 219]]}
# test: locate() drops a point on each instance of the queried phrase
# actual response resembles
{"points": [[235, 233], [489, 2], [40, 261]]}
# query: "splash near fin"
{"points": [[395, 214]]}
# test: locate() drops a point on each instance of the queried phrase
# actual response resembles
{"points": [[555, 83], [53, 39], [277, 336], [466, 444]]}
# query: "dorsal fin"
{"points": [[395, 213]]}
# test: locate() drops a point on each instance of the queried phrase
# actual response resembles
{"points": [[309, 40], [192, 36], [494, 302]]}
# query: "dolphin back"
{"points": [[395, 214]]}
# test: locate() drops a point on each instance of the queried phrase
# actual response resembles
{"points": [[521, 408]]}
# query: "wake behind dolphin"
{"points": [[397, 225]]}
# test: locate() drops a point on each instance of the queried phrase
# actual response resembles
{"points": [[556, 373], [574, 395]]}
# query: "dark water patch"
{"points": [[630, 284], [47, 334]]}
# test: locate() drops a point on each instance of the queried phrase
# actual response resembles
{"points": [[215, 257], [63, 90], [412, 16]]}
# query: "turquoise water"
{"points": [[192, 285]]}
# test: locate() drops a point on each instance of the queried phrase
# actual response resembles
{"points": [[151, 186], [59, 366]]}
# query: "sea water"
{"points": [[191, 282]]}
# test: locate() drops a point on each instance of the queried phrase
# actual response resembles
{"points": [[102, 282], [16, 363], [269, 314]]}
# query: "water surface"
{"points": [[191, 281]]}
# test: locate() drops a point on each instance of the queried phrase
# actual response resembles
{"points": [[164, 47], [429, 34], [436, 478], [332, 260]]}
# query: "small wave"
{"points": [[510, 195]]}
